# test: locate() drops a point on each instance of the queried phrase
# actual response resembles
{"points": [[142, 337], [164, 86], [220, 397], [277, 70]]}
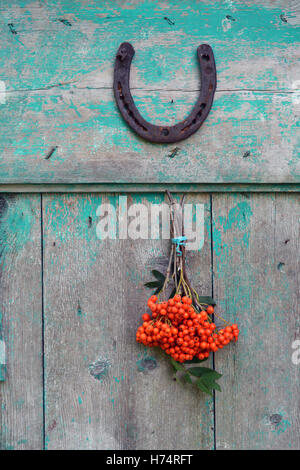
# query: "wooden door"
{"points": [[73, 376]]}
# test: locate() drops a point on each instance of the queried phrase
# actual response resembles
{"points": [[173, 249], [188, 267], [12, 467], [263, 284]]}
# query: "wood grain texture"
{"points": [[256, 243], [103, 390], [61, 131], [21, 395], [3, 360], [60, 96]]}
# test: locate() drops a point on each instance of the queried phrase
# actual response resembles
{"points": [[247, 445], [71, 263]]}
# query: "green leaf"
{"points": [[213, 375], [153, 284], [186, 378], [217, 387], [177, 366], [203, 387], [207, 377], [207, 381], [158, 284], [195, 360], [199, 371], [204, 299], [158, 275]]}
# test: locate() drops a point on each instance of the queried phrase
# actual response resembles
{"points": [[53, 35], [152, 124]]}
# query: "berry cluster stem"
{"points": [[180, 278]]}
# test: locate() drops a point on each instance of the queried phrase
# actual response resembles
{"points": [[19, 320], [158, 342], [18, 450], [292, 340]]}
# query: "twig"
{"points": [[167, 278]]}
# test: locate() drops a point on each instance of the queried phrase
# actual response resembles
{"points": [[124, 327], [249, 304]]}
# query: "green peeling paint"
{"points": [[51, 98], [146, 363]]}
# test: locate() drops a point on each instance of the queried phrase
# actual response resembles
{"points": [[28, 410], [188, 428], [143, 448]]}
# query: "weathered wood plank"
{"points": [[248, 137], [104, 391], [251, 42], [61, 96], [256, 243], [21, 395]]}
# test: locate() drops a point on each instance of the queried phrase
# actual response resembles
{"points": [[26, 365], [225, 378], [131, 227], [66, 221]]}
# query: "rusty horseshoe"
{"points": [[164, 134]]}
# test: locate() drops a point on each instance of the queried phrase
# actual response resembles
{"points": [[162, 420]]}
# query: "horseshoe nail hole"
{"points": [[165, 131], [120, 91], [199, 114], [203, 105], [122, 54], [205, 57], [194, 121], [126, 107]]}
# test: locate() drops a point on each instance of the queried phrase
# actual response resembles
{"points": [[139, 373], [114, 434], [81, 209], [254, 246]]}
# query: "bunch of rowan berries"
{"points": [[181, 331]]}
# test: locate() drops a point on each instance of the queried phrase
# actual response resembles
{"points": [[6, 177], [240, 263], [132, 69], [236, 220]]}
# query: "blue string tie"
{"points": [[179, 241]]}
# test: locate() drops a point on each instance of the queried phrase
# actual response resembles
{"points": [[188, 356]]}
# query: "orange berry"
{"points": [[146, 317]]}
